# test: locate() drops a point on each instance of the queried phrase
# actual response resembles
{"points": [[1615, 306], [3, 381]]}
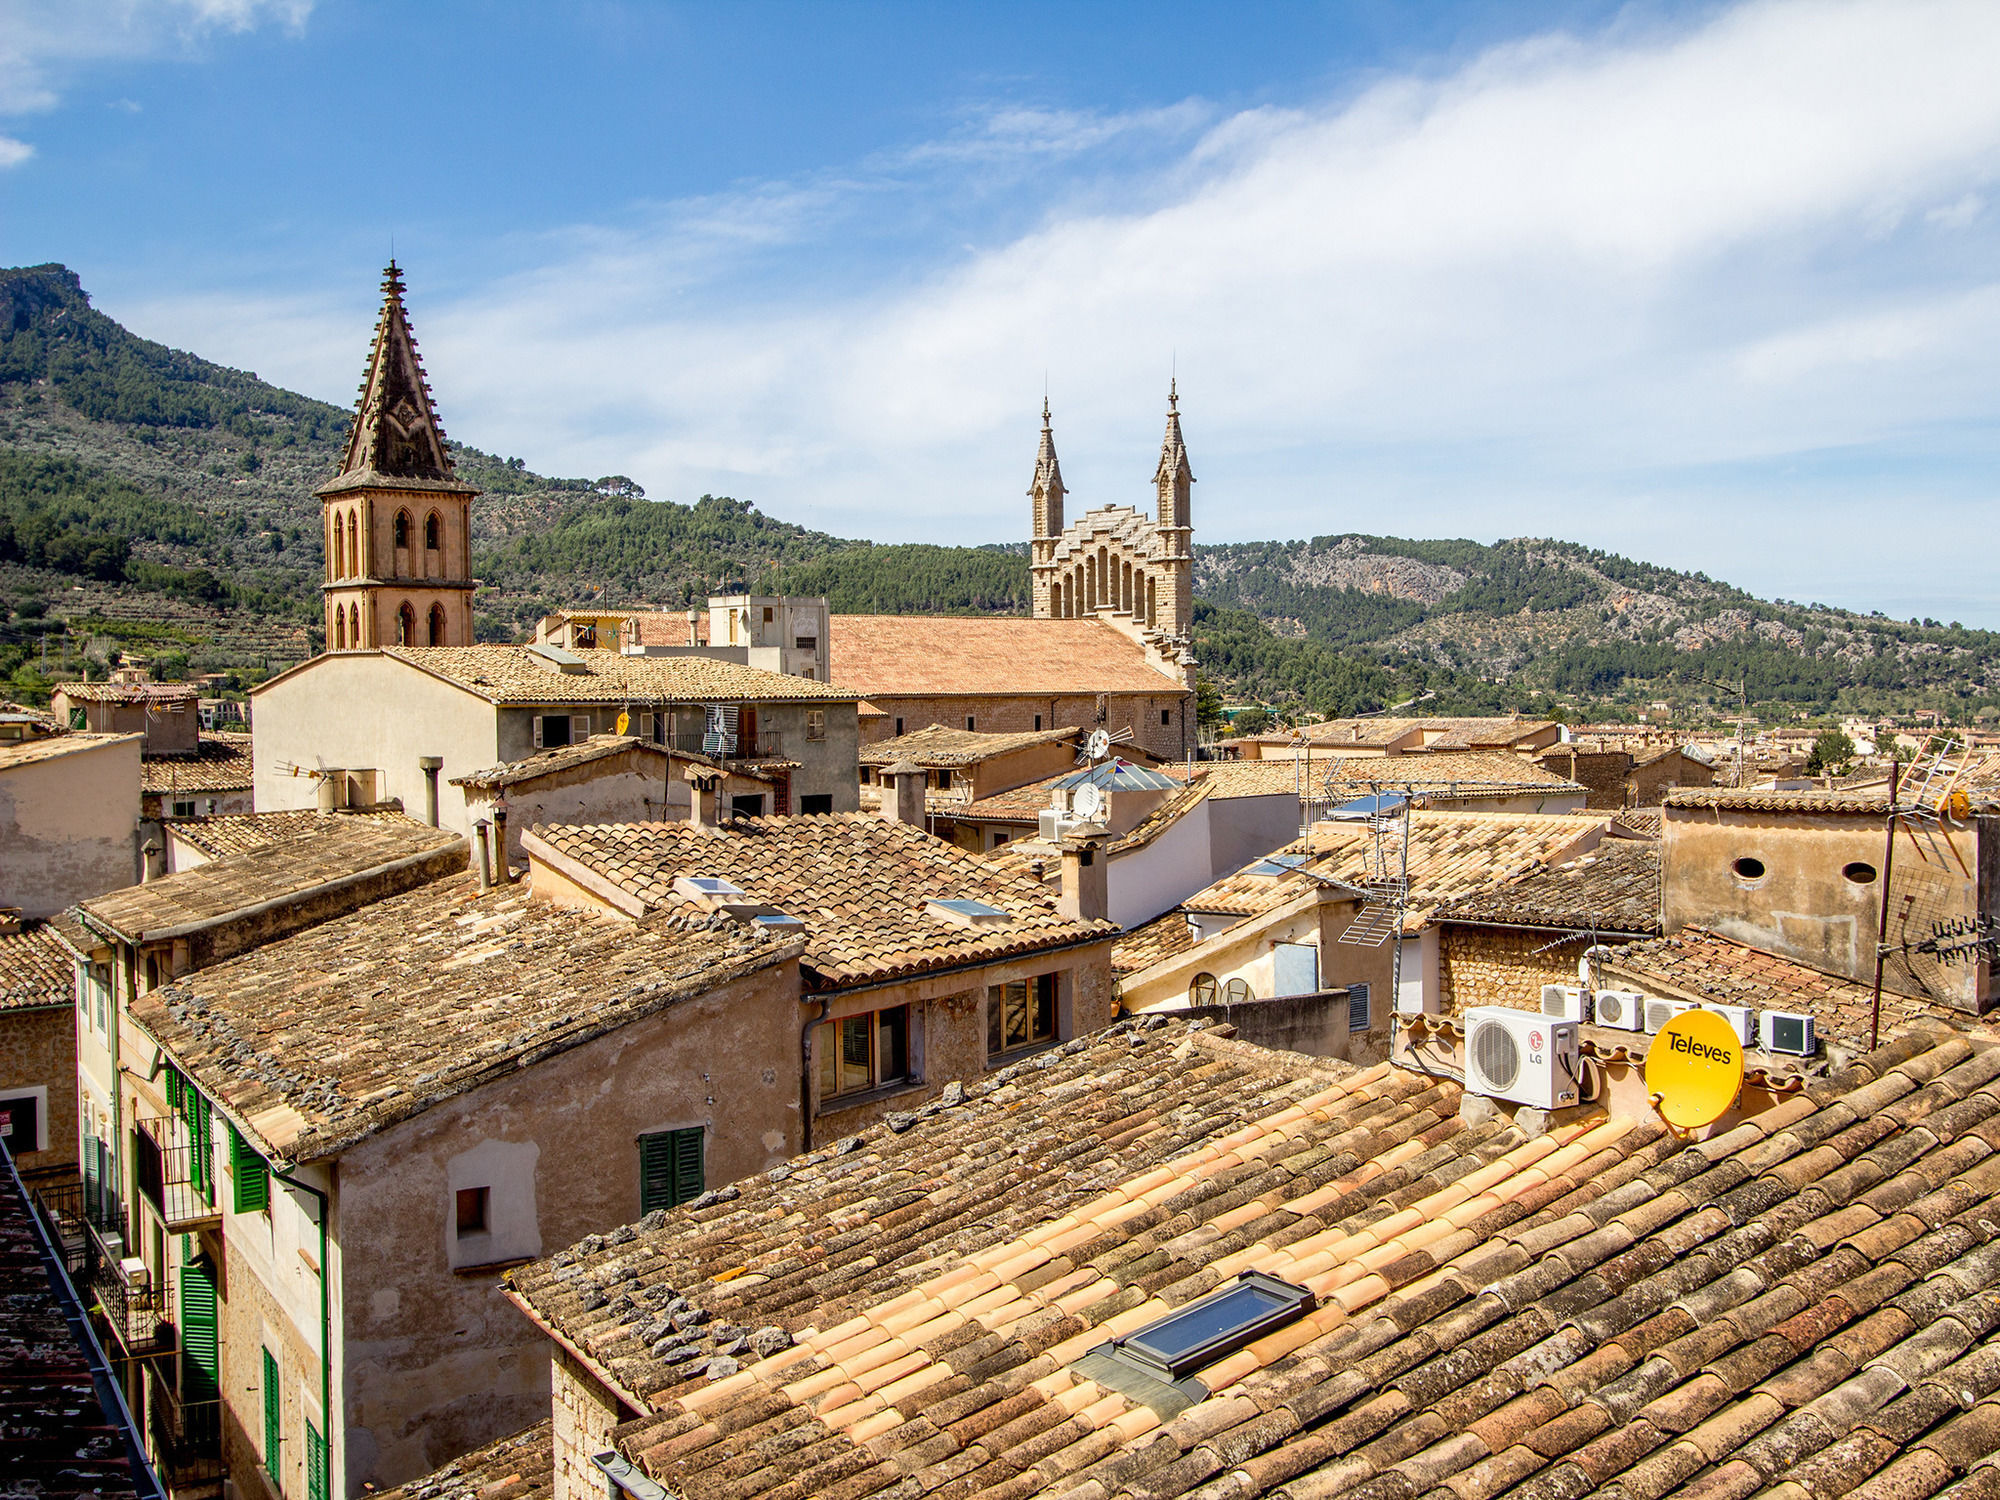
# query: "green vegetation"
{"points": [[1832, 754]]}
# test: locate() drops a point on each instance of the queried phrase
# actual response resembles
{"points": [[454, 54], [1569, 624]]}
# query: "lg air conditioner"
{"points": [[1789, 1034], [1520, 1056], [1741, 1018], [1622, 1010], [1565, 1002], [1659, 1012]]}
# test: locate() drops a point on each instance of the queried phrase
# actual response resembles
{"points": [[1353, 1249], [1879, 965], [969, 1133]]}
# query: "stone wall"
{"points": [[1500, 966], [992, 715], [1600, 772], [584, 1413], [38, 1051]]}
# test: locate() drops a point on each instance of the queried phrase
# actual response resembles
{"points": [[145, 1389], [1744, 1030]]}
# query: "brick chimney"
{"points": [[903, 793], [1086, 893]]}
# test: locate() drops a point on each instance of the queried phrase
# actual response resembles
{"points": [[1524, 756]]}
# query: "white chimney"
{"points": [[903, 793]]}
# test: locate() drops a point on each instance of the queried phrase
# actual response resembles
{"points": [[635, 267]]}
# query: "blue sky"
{"points": [[1709, 285]]}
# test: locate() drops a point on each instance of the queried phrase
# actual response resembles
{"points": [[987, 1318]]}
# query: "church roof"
{"points": [[897, 656], [396, 440]]}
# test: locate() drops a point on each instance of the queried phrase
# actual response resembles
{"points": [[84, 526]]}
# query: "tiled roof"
{"points": [[520, 1467], [891, 656], [335, 850], [1615, 888], [1643, 821], [29, 752], [1440, 774], [1809, 1301], [519, 675], [239, 833], [128, 692], [1452, 854], [1260, 778], [939, 746], [36, 968], [57, 1440], [1733, 800], [1453, 734], [322, 1038], [548, 762], [1021, 804], [859, 884], [1149, 942], [222, 764], [1697, 964]]}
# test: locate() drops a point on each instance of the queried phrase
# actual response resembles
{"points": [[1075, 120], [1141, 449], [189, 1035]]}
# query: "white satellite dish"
{"points": [[1098, 745], [1088, 801]]}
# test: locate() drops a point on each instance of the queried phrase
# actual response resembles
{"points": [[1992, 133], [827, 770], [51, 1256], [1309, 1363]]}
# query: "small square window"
{"points": [[1166, 716], [767, 614], [816, 802], [970, 722], [472, 1206], [815, 722]]}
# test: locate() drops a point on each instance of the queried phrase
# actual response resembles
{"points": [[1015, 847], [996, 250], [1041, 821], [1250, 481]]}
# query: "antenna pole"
{"points": [[1882, 925]]}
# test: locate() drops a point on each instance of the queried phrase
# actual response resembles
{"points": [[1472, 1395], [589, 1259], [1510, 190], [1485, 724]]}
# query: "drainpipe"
{"points": [[325, 1324], [432, 764], [805, 1075]]}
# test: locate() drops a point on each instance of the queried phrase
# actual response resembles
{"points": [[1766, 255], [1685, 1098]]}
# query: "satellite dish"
{"points": [[1088, 801], [1694, 1069], [1099, 745]]}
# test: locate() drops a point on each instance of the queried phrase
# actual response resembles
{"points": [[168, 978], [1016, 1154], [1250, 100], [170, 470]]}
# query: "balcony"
{"points": [[128, 1305], [185, 1438], [176, 1175]]}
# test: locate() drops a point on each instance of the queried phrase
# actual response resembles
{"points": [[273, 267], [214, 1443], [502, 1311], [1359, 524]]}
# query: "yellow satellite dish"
{"points": [[624, 723], [1694, 1069]]}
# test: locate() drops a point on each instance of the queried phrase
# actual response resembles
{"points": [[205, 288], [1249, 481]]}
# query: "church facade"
{"points": [[1115, 563], [397, 517]]}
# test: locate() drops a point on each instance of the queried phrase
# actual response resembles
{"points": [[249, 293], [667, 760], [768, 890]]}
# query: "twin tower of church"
{"points": [[399, 537]]}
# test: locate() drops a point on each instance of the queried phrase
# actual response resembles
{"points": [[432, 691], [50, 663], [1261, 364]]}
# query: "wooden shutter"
{"points": [[316, 1464], [670, 1168], [200, 1373], [249, 1174], [538, 731], [274, 1416]]}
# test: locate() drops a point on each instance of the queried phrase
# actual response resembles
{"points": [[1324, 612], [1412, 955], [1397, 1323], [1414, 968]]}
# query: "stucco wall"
{"points": [[997, 715], [1159, 875], [1242, 829], [364, 712], [437, 1363], [69, 826], [38, 1057], [1806, 906]]}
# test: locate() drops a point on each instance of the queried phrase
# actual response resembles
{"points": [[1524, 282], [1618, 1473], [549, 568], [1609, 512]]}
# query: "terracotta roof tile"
{"points": [[319, 1039], [1448, 734], [937, 745], [222, 764], [1730, 799], [859, 884], [239, 833], [37, 968], [521, 675], [889, 656], [1148, 943], [128, 692], [520, 1467], [1615, 888], [29, 752], [585, 752]]}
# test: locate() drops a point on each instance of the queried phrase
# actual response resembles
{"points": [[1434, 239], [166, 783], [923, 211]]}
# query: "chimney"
{"points": [[503, 862], [432, 764], [479, 855], [1086, 893], [694, 627], [903, 793], [705, 804]]}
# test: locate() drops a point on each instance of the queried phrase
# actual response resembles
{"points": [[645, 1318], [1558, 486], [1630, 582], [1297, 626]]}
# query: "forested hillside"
{"points": [[152, 499]]}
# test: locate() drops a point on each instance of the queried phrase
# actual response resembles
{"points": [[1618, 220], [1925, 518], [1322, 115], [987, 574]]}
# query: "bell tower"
{"points": [[1047, 494], [1173, 483], [397, 518]]}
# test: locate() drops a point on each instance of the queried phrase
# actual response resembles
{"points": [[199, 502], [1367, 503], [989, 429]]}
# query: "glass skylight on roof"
{"points": [[964, 908], [1222, 1322], [711, 885], [1278, 864], [777, 919]]}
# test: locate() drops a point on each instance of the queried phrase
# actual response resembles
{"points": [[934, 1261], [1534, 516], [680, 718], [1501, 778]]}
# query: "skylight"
{"points": [[970, 908], [711, 885], [965, 912], [1218, 1324], [1278, 864]]}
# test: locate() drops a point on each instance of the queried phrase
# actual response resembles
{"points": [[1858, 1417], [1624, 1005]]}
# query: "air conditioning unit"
{"points": [[1788, 1033], [1521, 1056], [1565, 1002], [1659, 1012], [1052, 823], [1622, 1010], [132, 1271], [1741, 1018]]}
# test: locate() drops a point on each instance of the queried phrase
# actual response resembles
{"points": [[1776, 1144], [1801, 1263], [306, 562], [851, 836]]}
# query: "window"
{"points": [[552, 731], [1205, 1330], [971, 723], [274, 1418], [1237, 991], [1166, 717], [471, 1207], [1858, 873], [1202, 990], [1748, 868], [899, 727], [768, 614], [184, 809], [249, 1175], [1038, 721], [747, 806], [20, 1123], [406, 626], [199, 1364], [859, 1053], [805, 643], [815, 722], [941, 778], [316, 1464], [1358, 1018], [583, 637], [1021, 1014], [670, 1168], [402, 528], [431, 532], [437, 625], [816, 802]]}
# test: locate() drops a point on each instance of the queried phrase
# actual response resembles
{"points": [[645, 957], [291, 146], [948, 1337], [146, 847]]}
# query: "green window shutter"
{"points": [[274, 1416], [316, 1464], [172, 1080], [201, 1139], [670, 1168], [200, 1370], [252, 1178]]}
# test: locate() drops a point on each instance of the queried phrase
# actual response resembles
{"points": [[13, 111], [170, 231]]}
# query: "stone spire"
{"points": [[1173, 483], [1173, 451], [396, 432], [1048, 489]]}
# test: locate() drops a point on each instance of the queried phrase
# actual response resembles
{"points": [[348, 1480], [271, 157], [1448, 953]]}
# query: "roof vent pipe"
{"points": [[479, 831], [1583, 964], [704, 806], [431, 764], [503, 862], [1086, 893]]}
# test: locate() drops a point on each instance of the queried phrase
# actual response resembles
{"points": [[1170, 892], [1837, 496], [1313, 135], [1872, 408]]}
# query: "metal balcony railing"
{"points": [[129, 1307], [177, 1174], [185, 1436]]}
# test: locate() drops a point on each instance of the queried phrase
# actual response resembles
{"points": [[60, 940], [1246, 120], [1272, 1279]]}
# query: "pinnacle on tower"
{"points": [[396, 432], [1173, 451], [1048, 470]]}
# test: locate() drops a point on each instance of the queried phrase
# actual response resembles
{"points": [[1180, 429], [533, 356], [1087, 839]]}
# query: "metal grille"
{"points": [[1495, 1054]]}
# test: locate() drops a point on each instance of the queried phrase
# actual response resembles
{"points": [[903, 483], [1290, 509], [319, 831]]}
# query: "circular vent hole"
{"points": [[1860, 872], [1747, 868], [1496, 1055]]}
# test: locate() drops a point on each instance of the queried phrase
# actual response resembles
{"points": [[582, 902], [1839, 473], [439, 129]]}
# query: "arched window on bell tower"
{"points": [[355, 565], [406, 626], [339, 628], [437, 621]]}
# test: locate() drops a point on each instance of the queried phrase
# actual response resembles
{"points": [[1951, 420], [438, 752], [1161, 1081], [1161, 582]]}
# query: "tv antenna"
{"points": [[1099, 742]]}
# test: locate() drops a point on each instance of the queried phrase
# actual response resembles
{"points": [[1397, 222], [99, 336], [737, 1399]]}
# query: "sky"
{"points": [[1709, 285]]}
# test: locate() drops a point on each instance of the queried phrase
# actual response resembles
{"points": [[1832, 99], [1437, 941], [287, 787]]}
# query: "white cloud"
{"points": [[43, 42], [13, 152], [1504, 300]]}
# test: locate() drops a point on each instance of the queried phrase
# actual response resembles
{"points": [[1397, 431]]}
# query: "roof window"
{"points": [[1155, 1365], [1278, 864], [966, 913], [710, 892]]}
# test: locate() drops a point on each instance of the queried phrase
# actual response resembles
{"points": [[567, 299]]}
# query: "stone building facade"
{"points": [[397, 517]]}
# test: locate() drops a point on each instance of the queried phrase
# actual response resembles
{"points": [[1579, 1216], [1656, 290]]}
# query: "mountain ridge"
{"points": [[145, 488]]}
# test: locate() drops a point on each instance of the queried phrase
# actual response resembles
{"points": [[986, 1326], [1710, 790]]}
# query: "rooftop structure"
{"points": [[220, 763], [1613, 889], [1375, 735], [892, 657], [239, 833], [37, 967], [938, 745], [530, 675]]}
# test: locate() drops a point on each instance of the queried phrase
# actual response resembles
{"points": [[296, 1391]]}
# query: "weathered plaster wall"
{"points": [[994, 715], [69, 825], [437, 1362], [1160, 874]]}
